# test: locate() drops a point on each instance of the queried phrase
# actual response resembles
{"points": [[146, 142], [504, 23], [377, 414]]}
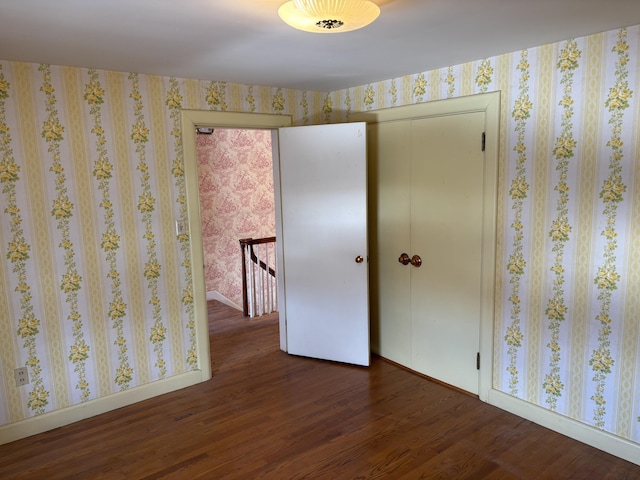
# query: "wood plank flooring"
{"points": [[268, 415]]}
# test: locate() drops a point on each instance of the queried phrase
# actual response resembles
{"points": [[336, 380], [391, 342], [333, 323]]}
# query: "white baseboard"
{"points": [[582, 432], [213, 295], [65, 416]]}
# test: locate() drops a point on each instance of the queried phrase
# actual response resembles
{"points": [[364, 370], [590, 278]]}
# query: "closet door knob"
{"points": [[404, 259], [416, 261], [359, 259]]}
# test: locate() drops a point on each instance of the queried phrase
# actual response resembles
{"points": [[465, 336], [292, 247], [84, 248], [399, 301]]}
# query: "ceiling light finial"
{"points": [[328, 16]]}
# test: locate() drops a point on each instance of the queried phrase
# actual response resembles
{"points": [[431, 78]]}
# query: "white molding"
{"points": [[215, 295], [279, 248], [75, 413], [216, 119], [575, 429]]}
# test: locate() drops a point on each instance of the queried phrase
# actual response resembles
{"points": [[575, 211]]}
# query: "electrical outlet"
{"points": [[21, 374]]}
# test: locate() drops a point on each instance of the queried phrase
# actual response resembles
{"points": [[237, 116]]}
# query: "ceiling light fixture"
{"points": [[328, 16]]}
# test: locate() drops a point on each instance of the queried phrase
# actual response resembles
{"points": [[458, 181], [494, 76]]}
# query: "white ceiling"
{"points": [[244, 41]]}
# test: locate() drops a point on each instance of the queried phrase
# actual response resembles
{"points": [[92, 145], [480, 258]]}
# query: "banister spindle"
{"points": [[259, 283]]}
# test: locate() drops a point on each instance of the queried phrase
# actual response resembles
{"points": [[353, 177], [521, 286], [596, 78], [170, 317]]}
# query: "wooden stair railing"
{"points": [[259, 286]]}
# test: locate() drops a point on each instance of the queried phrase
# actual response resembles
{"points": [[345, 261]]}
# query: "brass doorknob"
{"points": [[416, 261], [404, 259], [359, 259]]}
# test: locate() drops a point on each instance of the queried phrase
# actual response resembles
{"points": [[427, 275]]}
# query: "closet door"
{"points": [[390, 155], [446, 187], [429, 201], [433, 188]]}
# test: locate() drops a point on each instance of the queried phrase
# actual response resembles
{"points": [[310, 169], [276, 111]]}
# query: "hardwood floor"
{"points": [[268, 415]]}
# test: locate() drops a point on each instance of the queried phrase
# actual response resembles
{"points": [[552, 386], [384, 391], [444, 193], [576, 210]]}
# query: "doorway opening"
{"points": [[192, 119], [317, 205], [236, 192]]}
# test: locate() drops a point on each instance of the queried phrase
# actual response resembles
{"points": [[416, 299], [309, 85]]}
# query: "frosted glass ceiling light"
{"points": [[328, 16]]}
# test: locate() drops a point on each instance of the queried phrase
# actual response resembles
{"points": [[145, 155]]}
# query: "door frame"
{"points": [[216, 119], [489, 103]]}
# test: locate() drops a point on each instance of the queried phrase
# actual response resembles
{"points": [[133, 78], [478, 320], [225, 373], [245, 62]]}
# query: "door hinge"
{"points": [[484, 140], [478, 361]]}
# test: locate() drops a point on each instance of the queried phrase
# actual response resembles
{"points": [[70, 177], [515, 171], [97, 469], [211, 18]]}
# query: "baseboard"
{"points": [[213, 295], [582, 432], [66, 416]]}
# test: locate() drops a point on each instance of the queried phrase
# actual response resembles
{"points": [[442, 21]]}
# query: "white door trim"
{"points": [[215, 119]]}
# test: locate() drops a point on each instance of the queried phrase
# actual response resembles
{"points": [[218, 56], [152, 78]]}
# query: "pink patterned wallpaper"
{"points": [[236, 201]]}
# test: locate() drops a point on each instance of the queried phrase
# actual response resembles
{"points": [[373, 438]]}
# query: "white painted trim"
{"points": [[279, 248], [575, 429], [75, 413], [215, 295], [491, 104], [215, 119]]}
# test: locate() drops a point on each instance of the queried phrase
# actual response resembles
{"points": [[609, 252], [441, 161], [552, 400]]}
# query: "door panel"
{"points": [[324, 229], [421, 317], [446, 232], [391, 140]]}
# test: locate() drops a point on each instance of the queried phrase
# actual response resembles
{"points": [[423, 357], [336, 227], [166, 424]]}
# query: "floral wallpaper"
{"points": [[235, 171], [567, 320], [95, 283]]}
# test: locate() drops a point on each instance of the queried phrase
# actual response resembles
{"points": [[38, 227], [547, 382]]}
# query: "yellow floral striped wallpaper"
{"points": [[95, 284], [567, 332]]}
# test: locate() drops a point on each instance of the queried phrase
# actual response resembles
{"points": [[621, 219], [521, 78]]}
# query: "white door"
{"points": [[323, 217]]}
